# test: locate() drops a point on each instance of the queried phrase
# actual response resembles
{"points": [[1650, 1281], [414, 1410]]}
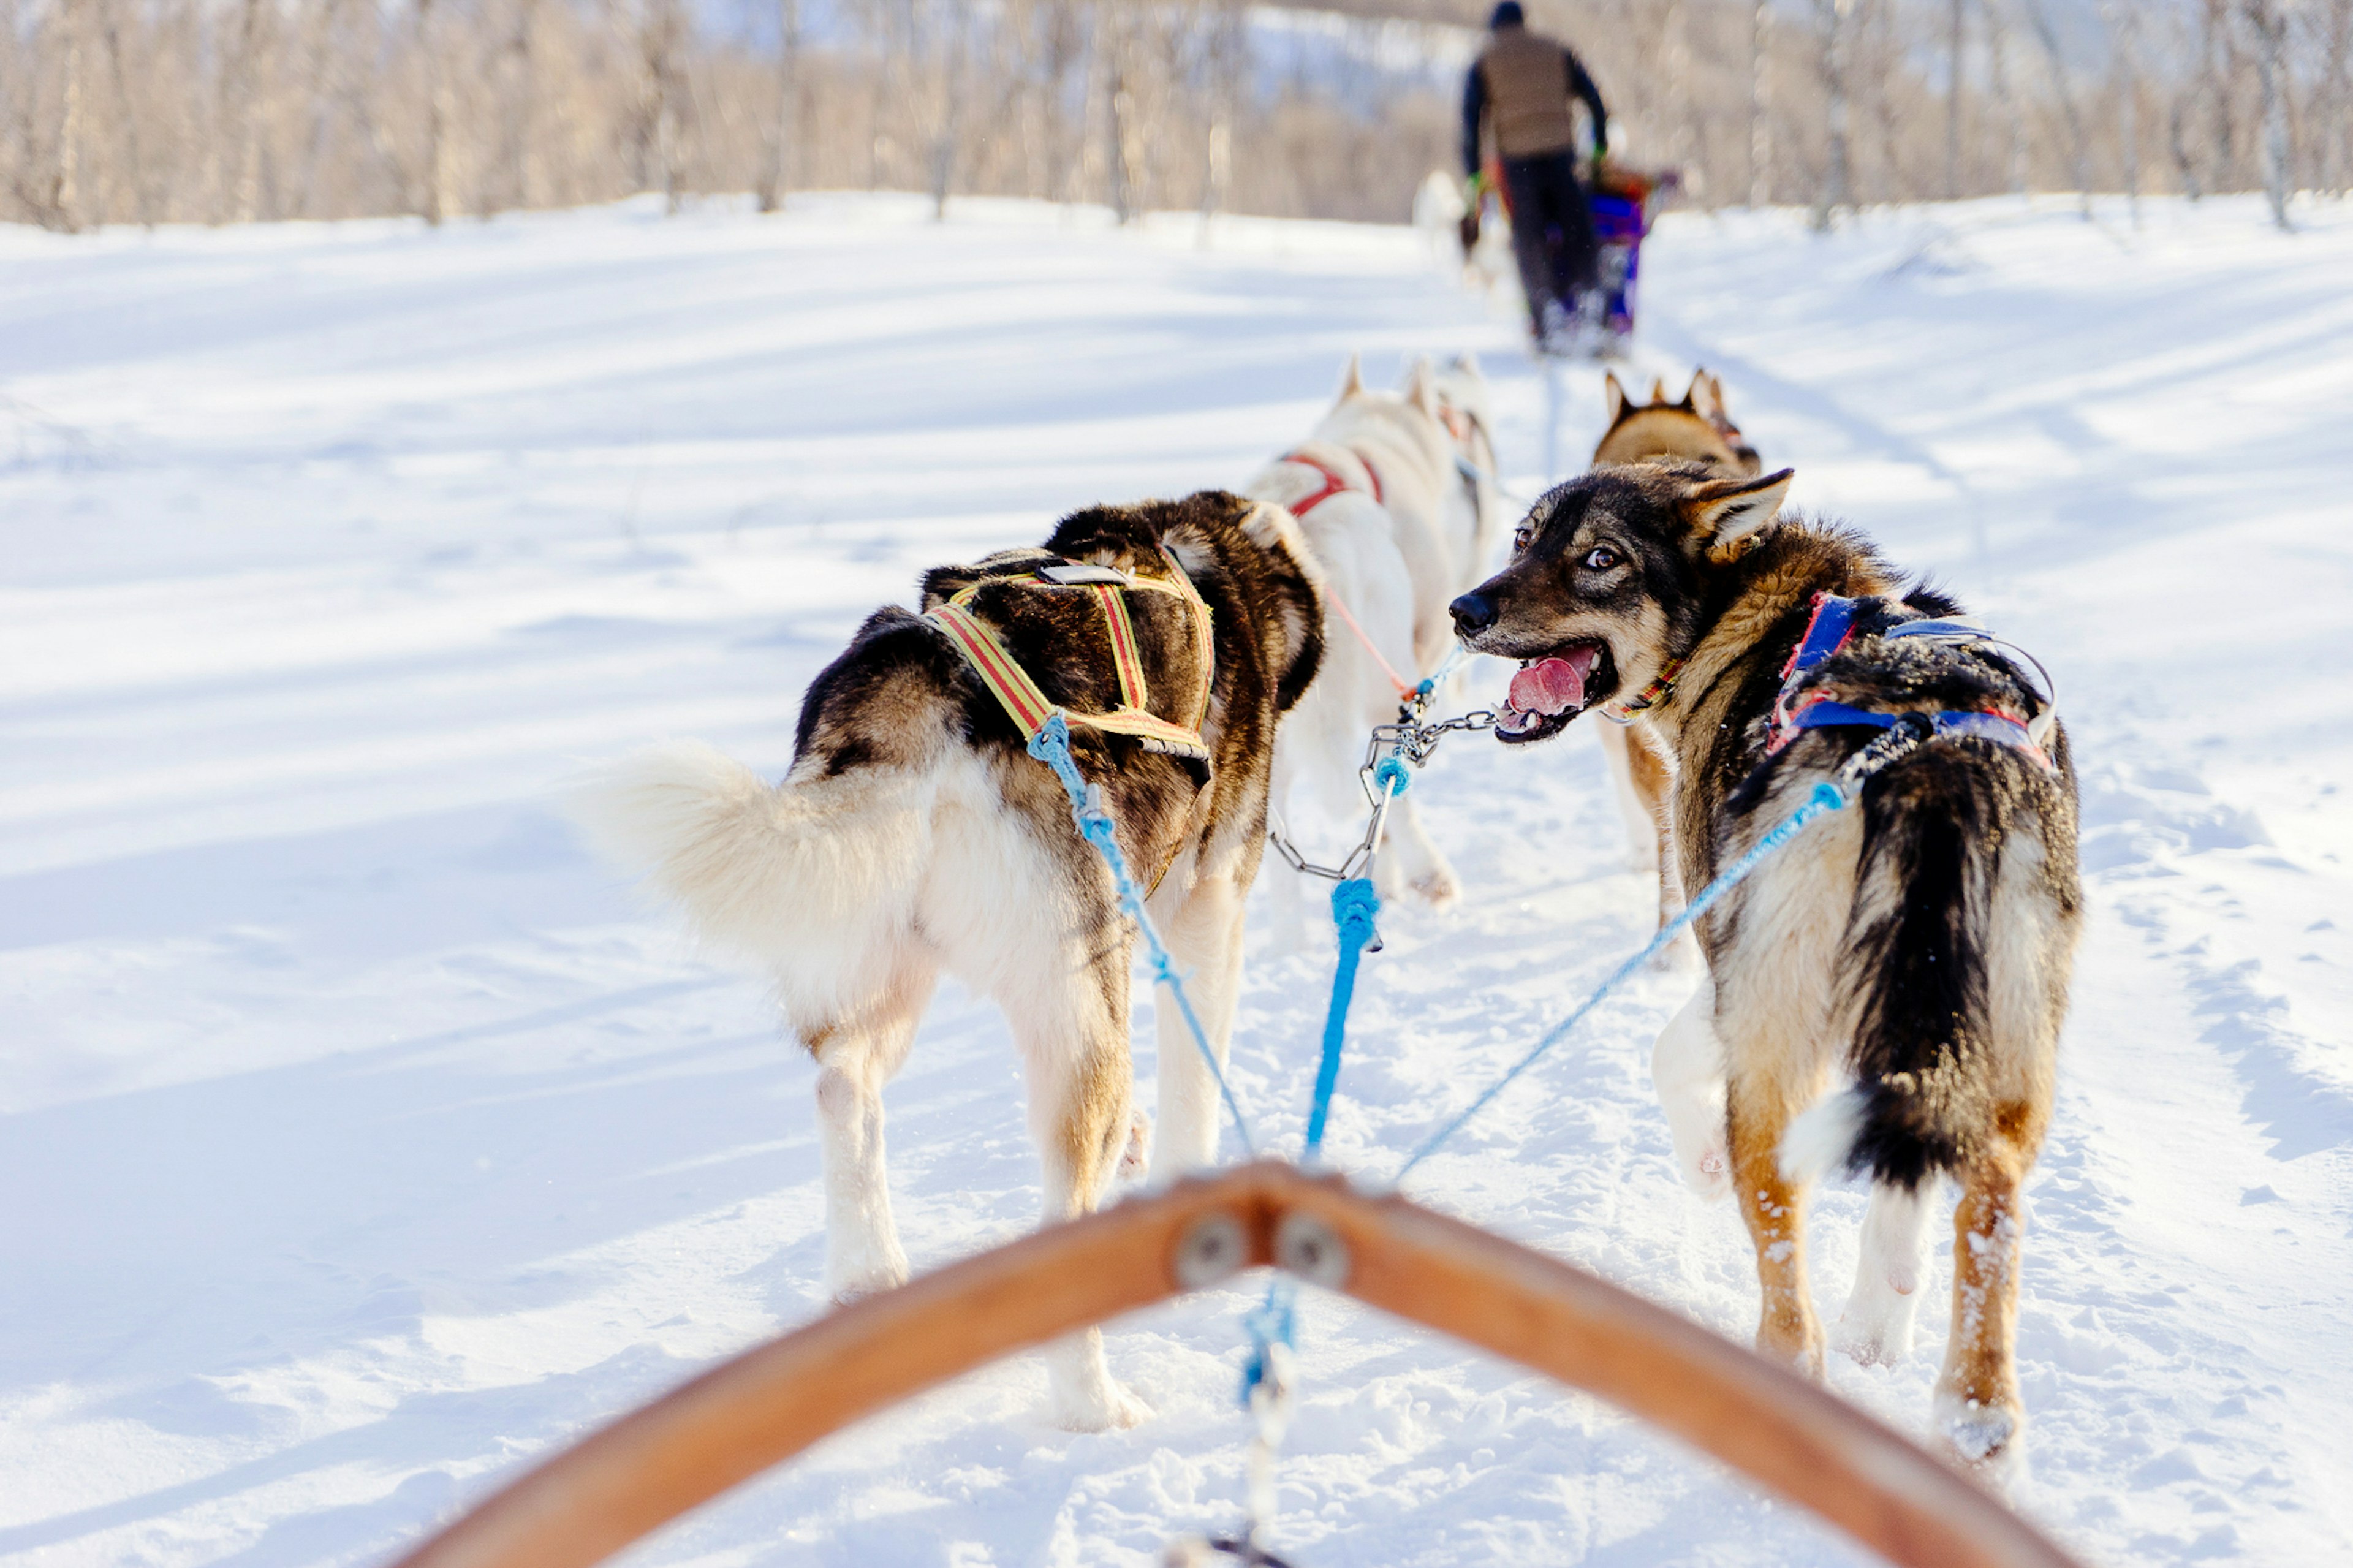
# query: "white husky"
{"points": [[1394, 494]]}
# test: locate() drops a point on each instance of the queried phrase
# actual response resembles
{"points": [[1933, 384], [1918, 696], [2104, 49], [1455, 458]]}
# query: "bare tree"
{"points": [[1835, 189], [2054, 58], [784, 121], [2270, 25], [1222, 63], [1956, 55], [2123, 63], [1760, 101], [2333, 117]]}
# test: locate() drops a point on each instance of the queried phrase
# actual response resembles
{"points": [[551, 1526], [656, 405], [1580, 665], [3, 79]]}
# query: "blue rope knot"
{"points": [[1391, 775], [1353, 906], [1274, 1321]]}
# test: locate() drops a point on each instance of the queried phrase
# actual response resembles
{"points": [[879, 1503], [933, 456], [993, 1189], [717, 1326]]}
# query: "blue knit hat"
{"points": [[1508, 14]]}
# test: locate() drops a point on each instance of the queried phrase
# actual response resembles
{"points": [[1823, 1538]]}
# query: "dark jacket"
{"points": [[1521, 85]]}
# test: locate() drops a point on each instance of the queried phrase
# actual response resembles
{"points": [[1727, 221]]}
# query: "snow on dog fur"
{"points": [[1913, 949], [914, 835], [1410, 530]]}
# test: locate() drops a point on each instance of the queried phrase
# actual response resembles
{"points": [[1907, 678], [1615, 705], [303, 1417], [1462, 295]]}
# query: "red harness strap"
{"points": [[1333, 483]]}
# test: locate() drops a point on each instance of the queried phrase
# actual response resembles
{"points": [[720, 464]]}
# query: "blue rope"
{"points": [[1429, 682], [1052, 746], [1827, 797], [1354, 907]]}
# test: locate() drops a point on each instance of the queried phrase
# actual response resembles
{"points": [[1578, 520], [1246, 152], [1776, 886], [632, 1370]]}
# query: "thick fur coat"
{"points": [[1914, 950], [1395, 563], [914, 834], [1695, 428]]}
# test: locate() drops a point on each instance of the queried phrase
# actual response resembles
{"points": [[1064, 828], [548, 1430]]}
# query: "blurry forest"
{"points": [[226, 110]]}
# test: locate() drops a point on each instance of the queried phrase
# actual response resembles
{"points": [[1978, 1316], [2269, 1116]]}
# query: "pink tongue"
{"points": [[1554, 685]]}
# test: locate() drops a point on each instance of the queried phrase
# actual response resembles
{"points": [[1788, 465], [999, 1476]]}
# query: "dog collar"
{"points": [[1621, 711]]}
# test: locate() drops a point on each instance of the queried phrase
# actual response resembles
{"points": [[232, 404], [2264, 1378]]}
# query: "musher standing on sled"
{"points": [[1520, 86]]}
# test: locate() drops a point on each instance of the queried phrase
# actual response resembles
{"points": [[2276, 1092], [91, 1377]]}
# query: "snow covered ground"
{"points": [[359, 1139]]}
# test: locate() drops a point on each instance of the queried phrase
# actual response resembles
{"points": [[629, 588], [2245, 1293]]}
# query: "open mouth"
{"points": [[1548, 692]]}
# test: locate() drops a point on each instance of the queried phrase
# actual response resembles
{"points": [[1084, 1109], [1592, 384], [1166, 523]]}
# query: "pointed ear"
{"points": [[1732, 517], [1708, 396], [1421, 387], [1614, 395], [1352, 380], [1696, 394], [1466, 364], [1658, 389]]}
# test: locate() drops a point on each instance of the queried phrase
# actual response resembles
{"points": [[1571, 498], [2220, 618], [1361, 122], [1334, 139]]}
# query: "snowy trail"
{"points": [[361, 1139]]}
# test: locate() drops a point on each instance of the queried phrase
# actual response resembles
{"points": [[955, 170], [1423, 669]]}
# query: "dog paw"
{"points": [[1875, 1330], [1111, 1408], [1439, 888], [1868, 1341], [874, 1282], [1985, 1438], [1708, 1170], [1136, 1158]]}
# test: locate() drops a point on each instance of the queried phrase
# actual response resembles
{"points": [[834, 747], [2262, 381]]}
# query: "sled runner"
{"points": [[1781, 1431]]}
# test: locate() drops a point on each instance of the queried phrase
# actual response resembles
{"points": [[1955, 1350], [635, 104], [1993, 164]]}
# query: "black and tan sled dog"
{"points": [[915, 833], [1913, 949]]}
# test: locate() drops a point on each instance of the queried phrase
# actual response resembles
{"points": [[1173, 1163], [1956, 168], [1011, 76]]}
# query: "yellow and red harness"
{"points": [[1029, 706]]}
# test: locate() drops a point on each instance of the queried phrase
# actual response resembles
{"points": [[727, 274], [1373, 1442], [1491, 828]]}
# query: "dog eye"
{"points": [[1601, 559], [1521, 535]]}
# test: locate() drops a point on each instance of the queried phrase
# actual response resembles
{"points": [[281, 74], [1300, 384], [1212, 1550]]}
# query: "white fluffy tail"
{"points": [[814, 879], [1822, 1138]]}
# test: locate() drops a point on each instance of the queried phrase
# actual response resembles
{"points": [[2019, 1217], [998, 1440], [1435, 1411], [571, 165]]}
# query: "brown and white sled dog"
{"points": [[915, 833], [1397, 528], [1697, 428], [1916, 945]]}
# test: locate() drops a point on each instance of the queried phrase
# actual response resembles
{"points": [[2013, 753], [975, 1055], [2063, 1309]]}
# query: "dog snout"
{"points": [[1473, 613]]}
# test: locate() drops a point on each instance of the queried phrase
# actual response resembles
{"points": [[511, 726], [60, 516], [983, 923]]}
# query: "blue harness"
{"points": [[1833, 628]]}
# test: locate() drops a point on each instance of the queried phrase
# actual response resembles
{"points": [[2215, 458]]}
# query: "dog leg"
{"points": [[1687, 1071], [1875, 1330], [1072, 1033], [1286, 907], [1978, 1409], [1640, 810], [1409, 860], [1205, 937], [856, 1056], [1773, 1208]]}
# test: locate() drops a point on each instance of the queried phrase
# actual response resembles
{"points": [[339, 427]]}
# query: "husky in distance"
{"points": [[1698, 428], [1394, 495], [914, 835], [1910, 954]]}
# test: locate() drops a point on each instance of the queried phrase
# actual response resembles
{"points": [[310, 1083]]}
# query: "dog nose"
{"points": [[1473, 613]]}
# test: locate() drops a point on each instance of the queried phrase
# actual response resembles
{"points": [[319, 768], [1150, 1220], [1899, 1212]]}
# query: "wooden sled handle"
{"points": [[1785, 1433]]}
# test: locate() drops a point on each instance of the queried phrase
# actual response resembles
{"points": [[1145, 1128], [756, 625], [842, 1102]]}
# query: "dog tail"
{"points": [[810, 878], [1915, 993]]}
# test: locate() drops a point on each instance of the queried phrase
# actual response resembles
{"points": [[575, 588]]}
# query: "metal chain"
{"points": [[1382, 775]]}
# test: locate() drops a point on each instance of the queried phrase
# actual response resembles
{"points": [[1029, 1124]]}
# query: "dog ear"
{"points": [[1658, 389], [1614, 396], [1731, 517], [1704, 398], [1352, 380], [1421, 387], [1466, 364]]}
